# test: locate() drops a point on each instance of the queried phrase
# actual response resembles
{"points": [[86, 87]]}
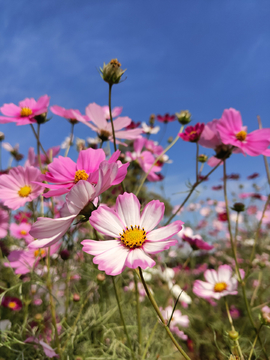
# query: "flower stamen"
{"points": [[25, 191], [12, 304], [26, 111], [133, 237], [241, 135], [80, 175], [219, 287]]}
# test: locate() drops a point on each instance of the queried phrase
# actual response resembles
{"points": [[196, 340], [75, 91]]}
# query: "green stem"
{"points": [[149, 340], [70, 139], [236, 261], [157, 159], [37, 138], [138, 313], [254, 343], [233, 329], [197, 161], [155, 306], [122, 317], [110, 109], [38, 146]]}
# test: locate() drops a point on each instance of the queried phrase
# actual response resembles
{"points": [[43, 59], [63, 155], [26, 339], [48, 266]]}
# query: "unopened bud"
{"points": [[65, 254], [238, 207], [184, 117], [38, 317], [170, 140], [2, 136], [42, 118], [202, 158], [152, 119], [101, 277], [76, 297], [112, 72], [233, 335], [18, 157]]}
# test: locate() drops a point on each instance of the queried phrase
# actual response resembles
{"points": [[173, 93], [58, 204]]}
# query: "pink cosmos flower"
{"points": [[145, 159], [219, 283], [4, 223], [103, 127], [253, 196], [45, 159], [192, 133], [253, 176], [166, 118], [24, 260], [232, 132], [21, 231], [133, 233], [67, 113], [26, 111], [18, 186], [177, 320], [78, 201], [133, 125], [116, 111], [65, 173], [22, 216], [12, 303], [48, 350], [197, 243]]}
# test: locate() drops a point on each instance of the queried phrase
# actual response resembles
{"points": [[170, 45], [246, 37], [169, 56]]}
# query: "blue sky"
{"points": [[203, 56]]}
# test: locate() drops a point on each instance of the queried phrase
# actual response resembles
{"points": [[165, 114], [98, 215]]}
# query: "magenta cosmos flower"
{"points": [[197, 243], [78, 201], [166, 118], [192, 133], [232, 132], [66, 113], [219, 283], [21, 231], [17, 187], [26, 111], [95, 113], [133, 233], [65, 173], [12, 303]]}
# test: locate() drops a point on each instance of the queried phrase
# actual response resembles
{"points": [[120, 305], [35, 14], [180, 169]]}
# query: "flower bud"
{"points": [[233, 335], [42, 118], [238, 207], [38, 317], [65, 254], [112, 72], [170, 140], [76, 297], [184, 117], [152, 119], [202, 158], [101, 277], [2, 136]]}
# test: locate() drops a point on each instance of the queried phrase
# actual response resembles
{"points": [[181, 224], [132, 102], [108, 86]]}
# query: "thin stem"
{"points": [[138, 313], [233, 329], [254, 343], [122, 317], [235, 259], [155, 306], [70, 139], [110, 109], [149, 340], [157, 159], [36, 136], [254, 295], [38, 146], [52, 305], [197, 161]]}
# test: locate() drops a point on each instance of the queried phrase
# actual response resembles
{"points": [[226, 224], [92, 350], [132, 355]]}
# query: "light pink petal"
{"points": [[128, 208], [158, 246], [79, 196], [90, 159], [121, 122], [165, 232], [203, 289], [211, 276], [11, 110], [224, 273], [93, 247], [106, 175], [96, 115], [152, 215], [129, 134], [139, 144], [106, 221], [213, 161], [137, 257]]}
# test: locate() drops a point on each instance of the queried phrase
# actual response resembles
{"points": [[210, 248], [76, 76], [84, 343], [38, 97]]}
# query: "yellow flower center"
{"points": [[25, 191], [26, 111], [133, 237], [219, 287], [39, 252], [23, 232], [80, 175], [241, 136], [12, 305]]}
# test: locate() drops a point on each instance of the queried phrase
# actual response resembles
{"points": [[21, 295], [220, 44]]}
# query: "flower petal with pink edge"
{"points": [[211, 276], [93, 247], [152, 215], [224, 273], [79, 196], [165, 232], [106, 221], [137, 257], [121, 122], [96, 115], [202, 289], [128, 208], [113, 260], [158, 246]]}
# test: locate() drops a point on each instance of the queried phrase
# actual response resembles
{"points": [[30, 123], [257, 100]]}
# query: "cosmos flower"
{"points": [[192, 133], [26, 111], [219, 283], [177, 320], [99, 123], [65, 173], [12, 303], [116, 111], [48, 350], [21, 231], [133, 233], [150, 129], [66, 113], [232, 132], [166, 118], [17, 187]]}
